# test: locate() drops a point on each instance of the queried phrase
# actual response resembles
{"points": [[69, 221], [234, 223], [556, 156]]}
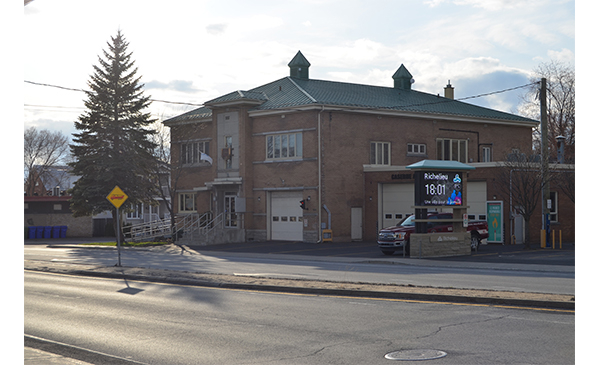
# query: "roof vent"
{"points": [[299, 66], [403, 79]]}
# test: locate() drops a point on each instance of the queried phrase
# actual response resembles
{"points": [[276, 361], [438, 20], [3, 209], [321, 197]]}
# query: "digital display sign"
{"points": [[438, 188]]}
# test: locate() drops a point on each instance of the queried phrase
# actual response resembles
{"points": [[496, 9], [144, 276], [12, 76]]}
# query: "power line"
{"points": [[499, 92], [81, 90], [412, 105], [52, 106]]}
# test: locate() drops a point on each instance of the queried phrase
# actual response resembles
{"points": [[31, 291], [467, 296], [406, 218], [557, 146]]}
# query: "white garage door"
{"points": [[286, 216], [398, 200], [396, 203]]}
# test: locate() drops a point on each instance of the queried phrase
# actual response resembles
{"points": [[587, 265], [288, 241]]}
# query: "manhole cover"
{"points": [[412, 355]]}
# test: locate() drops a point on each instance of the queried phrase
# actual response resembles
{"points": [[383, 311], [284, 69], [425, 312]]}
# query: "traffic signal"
{"points": [[302, 204]]}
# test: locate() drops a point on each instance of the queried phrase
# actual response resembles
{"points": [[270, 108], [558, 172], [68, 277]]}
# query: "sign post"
{"points": [[495, 212], [117, 197]]}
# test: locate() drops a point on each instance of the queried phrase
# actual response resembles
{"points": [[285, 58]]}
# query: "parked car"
{"points": [[397, 238]]}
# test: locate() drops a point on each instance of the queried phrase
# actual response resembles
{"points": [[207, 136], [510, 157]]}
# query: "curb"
{"points": [[313, 287]]}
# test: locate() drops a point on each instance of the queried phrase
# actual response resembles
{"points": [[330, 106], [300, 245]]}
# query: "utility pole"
{"points": [[544, 156]]}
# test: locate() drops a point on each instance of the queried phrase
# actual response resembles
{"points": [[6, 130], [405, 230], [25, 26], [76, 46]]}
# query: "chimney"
{"points": [[449, 91]]}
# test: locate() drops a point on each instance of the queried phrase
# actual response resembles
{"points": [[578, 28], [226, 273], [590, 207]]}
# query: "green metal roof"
{"points": [[256, 97], [440, 165], [290, 92], [192, 115]]}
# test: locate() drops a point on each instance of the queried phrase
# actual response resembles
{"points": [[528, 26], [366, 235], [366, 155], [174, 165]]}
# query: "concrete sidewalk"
{"points": [[320, 287], [269, 249], [34, 356]]}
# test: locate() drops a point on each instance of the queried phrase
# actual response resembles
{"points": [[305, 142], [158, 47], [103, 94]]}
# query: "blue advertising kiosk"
{"points": [[440, 184]]}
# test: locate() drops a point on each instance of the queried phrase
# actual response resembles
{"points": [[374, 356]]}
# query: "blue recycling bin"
{"points": [[39, 232], [56, 232], [32, 230], [47, 231], [63, 231]]}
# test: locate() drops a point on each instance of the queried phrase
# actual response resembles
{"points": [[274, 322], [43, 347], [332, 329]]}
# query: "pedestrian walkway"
{"points": [[38, 357]]}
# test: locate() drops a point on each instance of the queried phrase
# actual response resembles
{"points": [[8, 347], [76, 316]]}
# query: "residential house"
{"points": [[49, 206]]}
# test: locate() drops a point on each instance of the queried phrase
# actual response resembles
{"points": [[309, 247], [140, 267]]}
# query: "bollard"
{"points": [[553, 239], [560, 238], [543, 238]]}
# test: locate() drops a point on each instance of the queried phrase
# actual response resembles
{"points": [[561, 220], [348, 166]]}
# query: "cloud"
{"points": [[216, 29], [564, 55], [66, 127], [175, 85], [491, 4], [433, 3], [359, 42], [495, 82]]}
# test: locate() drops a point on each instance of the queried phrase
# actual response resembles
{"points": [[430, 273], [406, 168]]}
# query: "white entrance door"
{"points": [[286, 216], [519, 232], [477, 199], [356, 224]]}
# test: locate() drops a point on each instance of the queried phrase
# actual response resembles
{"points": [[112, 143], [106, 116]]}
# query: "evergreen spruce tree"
{"points": [[113, 145]]}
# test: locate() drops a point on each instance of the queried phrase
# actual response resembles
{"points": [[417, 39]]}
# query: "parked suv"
{"points": [[397, 238]]}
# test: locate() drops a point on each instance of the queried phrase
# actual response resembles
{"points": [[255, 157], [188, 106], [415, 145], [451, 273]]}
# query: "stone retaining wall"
{"points": [[440, 244]]}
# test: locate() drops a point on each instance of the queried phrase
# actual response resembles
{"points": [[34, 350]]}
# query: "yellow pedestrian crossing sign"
{"points": [[117, 197]]}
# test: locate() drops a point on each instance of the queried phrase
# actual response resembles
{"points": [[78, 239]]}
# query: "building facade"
{"points": [[297, 156]]}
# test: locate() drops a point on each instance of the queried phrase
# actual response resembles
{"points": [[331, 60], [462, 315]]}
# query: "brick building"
{"points": [[341, 148]]}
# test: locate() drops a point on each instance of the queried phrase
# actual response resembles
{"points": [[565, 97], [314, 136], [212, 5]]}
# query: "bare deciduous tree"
{"points": [[43, 149], [520, 180], [169, 168], [166, 173], [561, 105]]}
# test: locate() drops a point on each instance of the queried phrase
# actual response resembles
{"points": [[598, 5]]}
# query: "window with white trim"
{"points": [[553, 207], [452, 149], [416, 149], [192, 151], [284, 146], [486, 154], [187, 203], [380, 153], [137, 212]]}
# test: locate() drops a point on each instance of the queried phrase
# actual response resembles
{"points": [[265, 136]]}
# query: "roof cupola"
{"points": [[402, 78], [299, 66]]}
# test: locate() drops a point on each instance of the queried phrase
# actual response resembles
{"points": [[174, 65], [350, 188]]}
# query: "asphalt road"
{"points": [[149, 323]]}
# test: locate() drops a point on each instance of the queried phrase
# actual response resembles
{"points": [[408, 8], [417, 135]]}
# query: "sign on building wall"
{"points": [[438, 188], [495, 212]]}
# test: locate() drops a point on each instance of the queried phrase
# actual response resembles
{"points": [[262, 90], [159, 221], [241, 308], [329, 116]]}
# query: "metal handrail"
{"points": [[151, 229], [192, 227]]}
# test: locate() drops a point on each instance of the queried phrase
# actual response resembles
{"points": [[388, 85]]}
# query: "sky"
{"points": [[194, 51]]}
